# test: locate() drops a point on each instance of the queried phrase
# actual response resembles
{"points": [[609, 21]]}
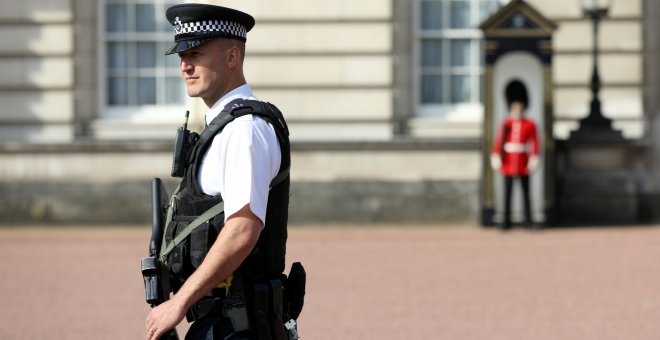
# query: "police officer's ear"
{"points": [[233, 53]]}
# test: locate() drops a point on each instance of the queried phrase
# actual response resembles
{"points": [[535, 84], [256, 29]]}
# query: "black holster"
{"points": [[277, 302], [294, 290], [269, 310]]}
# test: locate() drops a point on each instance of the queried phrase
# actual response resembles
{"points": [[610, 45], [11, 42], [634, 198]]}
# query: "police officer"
{"points": [[239, 166]]}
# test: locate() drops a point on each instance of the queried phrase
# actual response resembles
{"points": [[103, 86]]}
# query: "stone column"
{"points": [[85, 70], [403, 64], [651, 36]]}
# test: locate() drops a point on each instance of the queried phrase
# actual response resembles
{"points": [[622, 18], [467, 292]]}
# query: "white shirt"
{"points": [[242, 160]]}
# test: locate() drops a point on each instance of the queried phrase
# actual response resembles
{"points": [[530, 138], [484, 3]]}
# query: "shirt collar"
{"points": [[243, 92]]}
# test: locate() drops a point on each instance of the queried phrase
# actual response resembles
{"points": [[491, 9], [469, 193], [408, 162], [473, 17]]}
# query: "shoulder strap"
{"points": [[241, 107]]}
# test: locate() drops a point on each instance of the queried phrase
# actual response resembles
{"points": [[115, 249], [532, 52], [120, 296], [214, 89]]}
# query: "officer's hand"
{"points": [[495, 161], [164, 317], [533, 163]]}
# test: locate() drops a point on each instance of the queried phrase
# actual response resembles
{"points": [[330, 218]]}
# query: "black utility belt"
{"points": [[213, 304], [266, 302]]}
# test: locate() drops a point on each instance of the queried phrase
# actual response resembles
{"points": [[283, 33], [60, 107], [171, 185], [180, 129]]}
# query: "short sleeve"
{"points": [[240, 164]]}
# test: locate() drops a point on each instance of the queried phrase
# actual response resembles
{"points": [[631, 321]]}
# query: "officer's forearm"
{"points": [[234, 243]]}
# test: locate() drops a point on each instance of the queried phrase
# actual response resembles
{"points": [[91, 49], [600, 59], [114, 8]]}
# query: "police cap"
{"points": [[196, 24]]}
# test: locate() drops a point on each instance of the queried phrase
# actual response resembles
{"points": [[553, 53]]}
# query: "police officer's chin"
{"points": [[193, 87]]}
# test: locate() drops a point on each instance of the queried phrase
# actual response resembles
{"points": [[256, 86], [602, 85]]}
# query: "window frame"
{"points": [[135, 113], [459, 111]]}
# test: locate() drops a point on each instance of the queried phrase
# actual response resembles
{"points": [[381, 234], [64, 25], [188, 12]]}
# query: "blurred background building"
{"points": [[384, 99]]}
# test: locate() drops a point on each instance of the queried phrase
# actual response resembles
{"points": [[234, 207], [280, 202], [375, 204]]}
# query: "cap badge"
{"points": [[177, 26]]}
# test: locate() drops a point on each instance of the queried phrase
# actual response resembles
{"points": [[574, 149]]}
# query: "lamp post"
{"points": [[596, 10]]}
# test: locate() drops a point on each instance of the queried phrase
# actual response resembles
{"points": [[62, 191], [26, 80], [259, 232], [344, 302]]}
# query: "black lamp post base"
{"points": [[596, 127], [595, 134]]}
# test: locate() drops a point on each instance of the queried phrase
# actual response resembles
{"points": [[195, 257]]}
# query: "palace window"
{"points": [[449, 57], [138, 77]]}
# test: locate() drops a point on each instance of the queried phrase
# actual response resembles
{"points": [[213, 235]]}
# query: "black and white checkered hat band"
{"points": [[227, 27]]}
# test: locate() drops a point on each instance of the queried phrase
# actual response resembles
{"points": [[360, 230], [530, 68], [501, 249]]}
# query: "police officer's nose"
{"points": [[185, 66]]}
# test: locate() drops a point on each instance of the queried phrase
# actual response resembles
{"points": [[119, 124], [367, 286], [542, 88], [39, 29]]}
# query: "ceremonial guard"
{"points": [[516, 150]]}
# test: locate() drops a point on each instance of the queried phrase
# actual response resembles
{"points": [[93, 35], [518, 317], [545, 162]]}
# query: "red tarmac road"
{"points": [[363, 283]]}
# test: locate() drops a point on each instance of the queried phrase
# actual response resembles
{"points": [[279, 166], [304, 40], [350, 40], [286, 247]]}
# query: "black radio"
{"points": [[183, 143]]}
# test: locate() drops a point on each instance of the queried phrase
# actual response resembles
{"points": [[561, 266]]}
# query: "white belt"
{"points": [[515, 147]]}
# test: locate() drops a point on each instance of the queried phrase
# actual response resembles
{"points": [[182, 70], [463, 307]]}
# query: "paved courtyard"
{"points": [[440, 282]]}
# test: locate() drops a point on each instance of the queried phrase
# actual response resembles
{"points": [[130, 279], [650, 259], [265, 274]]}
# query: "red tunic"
{"points": [[514, 150]]}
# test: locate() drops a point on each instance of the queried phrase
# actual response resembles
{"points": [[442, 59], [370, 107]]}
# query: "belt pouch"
{"points": [[235, 306], [261, 305], [178, 253], [199, 244], [276, 322]]}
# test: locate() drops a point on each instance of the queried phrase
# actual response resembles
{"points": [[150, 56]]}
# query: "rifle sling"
{"points": [[207, 215]]}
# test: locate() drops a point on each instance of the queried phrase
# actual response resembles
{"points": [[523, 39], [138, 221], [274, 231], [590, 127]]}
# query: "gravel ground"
{"points": [[363, 283]]}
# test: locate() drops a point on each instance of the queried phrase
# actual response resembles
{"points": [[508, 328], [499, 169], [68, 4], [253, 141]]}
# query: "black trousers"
{"points": [[508, 188]]}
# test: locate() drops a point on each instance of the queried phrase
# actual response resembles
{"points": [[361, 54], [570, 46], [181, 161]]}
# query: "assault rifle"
{"points": [[155, 273]]}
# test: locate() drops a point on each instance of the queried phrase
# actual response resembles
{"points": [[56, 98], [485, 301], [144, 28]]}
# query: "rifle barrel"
{"points": [[156, 216]]}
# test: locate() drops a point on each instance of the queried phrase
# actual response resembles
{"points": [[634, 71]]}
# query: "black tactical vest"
{"points": [[188, 202]]}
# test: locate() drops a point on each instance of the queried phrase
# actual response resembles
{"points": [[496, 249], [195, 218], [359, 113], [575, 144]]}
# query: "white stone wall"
{"points": [[327, 66], [36, 89]]}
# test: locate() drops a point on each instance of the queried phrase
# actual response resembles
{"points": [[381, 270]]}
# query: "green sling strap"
{"points": [[207, 215]]}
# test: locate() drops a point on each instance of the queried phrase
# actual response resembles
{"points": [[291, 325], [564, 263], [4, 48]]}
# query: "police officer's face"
{"points": [[205, 70]]}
